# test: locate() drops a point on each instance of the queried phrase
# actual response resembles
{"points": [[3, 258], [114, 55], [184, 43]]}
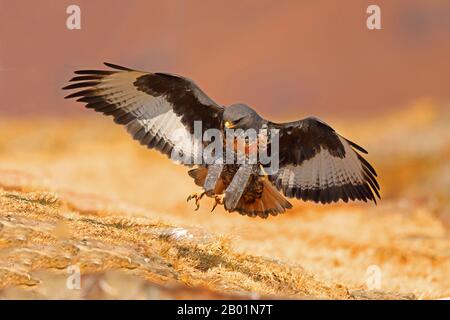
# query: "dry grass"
{"points": [[80, 192]]}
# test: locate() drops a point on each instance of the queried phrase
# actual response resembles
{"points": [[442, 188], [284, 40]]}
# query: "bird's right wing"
{"points": [[157, 109]]}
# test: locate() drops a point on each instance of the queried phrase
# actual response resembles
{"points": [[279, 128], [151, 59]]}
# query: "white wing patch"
{"points": [[157, 109], [324, 170], [154, 124]]}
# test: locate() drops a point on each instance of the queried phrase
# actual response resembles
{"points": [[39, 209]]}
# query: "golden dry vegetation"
{"points": [[80, 192]]}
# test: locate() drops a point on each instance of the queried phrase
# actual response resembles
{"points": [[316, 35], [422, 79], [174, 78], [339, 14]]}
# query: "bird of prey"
{"points": [[315, 162]]}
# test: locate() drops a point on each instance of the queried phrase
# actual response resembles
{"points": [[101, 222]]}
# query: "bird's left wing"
{"points": [[316, 163], [157, 109]]}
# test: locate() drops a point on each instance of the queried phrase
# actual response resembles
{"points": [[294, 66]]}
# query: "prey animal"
{"points": [[315, 163]]}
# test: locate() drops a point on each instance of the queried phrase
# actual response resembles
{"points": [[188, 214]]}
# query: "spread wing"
{"points": [[318, 164], [157, 109]]}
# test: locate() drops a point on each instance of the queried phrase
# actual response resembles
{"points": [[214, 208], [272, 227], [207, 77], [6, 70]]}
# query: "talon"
{"points": [[197, 198], [218, 200]]}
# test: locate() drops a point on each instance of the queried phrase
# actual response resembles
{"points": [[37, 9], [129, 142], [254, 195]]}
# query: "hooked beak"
{"points": [[229, 124]]}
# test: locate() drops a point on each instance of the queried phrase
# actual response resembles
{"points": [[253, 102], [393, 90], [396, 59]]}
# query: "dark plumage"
{"points": [[159, 110]]}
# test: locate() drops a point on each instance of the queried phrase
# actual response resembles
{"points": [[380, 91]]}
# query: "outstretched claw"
{"points": [[218, 200], [197, 198]]}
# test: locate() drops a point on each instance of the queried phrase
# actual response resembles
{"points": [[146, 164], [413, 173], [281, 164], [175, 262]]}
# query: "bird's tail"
{"points": [[271, 203]]}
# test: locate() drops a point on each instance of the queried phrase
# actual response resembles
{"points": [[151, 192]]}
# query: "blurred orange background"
{"points": [[284, 58]]}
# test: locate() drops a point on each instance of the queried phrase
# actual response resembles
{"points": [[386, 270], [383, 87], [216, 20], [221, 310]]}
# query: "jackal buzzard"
{"points": [[315, 162]]}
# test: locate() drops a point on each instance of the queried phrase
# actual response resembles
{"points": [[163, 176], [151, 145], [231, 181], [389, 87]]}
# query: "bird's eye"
{"points": [[228, 124]]}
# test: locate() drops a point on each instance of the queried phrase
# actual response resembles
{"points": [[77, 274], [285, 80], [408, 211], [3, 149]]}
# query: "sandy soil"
{"points": [[81, 193]]}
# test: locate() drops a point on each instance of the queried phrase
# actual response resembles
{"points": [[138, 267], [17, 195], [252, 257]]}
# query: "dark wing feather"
{"points": [[158, 109], [318, 164]]}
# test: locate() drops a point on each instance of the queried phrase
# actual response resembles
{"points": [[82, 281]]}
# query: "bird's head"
{"points": [[241, 116]]}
